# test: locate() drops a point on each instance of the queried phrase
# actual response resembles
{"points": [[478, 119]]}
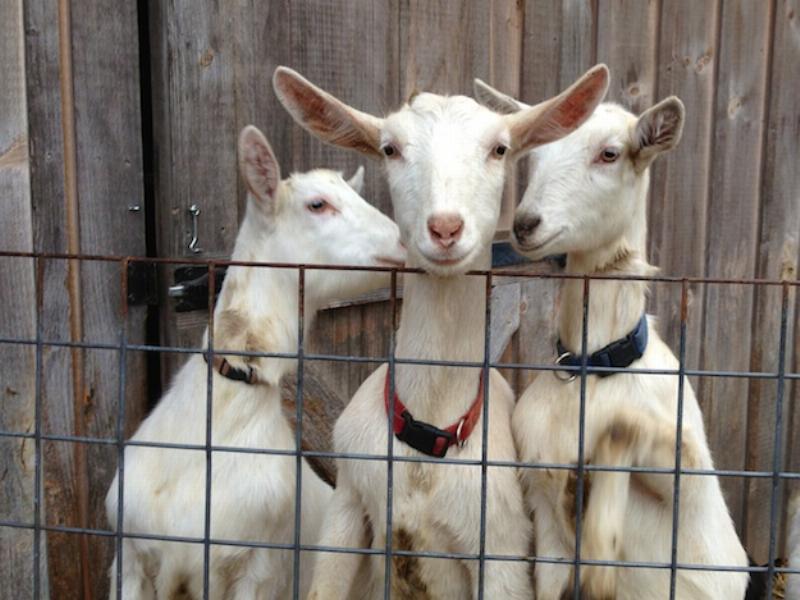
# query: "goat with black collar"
{"points": [[587, 197]]}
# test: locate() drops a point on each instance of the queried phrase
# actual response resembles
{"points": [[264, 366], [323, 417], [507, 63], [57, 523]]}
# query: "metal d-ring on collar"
{"points": [[565, 376], [618, 354], [459, 440]]}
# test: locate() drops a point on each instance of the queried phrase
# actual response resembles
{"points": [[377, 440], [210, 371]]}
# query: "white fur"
{"points": [[793, 547], [596, 213], [252, 496], [444, 162]]}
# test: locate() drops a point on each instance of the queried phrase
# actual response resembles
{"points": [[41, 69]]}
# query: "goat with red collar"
{"points": [[445, 159]]}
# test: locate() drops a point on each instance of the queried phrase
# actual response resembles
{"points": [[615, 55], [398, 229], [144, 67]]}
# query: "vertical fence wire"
{"points": [[209, 407], [301, 298], [37, 424], [122, 358], [777, 456], [485, 434], [676, 492], [580, 471], [387, 582]]}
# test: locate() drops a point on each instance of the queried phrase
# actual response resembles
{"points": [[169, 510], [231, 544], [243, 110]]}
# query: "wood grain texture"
{"points": [[626, 41], [733, 232], [506, 26], [18, 315], [194, 71], [559, 45], [680, 180], [104, 56], [50, 235], [779, 243], [351, 50]]}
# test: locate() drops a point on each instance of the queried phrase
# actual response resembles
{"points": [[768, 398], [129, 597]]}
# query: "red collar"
{"points": [[425, 437]]}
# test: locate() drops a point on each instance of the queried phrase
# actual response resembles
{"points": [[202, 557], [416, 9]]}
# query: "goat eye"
{"points": [[390, 151], [609, 155], [317, 205], [499, 151]]}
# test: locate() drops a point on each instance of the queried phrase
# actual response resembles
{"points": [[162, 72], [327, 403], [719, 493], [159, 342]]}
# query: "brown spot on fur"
{"points": [[181, 592], [570, 491], [407, 583], [419, 478], [622, 433], [230, 331], [639, 485], [231, 569], [369, 531], [567, 594]]}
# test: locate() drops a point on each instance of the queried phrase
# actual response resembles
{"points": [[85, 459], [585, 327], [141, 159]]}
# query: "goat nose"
{"points": [[525, 225], [445, 228]]}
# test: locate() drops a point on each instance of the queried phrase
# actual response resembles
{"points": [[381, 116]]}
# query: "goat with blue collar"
{"points": [[587, 197]]}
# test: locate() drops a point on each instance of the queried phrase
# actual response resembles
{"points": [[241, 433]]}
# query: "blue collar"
{"points": [[618, 354]]}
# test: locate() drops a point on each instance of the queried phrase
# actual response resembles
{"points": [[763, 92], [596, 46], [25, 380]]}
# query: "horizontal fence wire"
{"points": [[781, 375]]}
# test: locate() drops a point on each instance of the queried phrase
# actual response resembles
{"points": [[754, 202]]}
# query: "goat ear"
{"points": [[557, 117], [495, 99], [658, 130], [328, 118], [357, 180], [258, 165]]}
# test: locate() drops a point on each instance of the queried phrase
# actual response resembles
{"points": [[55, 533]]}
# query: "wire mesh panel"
{"points": [[778, 476]]}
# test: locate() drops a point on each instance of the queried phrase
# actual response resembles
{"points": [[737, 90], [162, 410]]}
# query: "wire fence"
{"points": [[781, 375]]}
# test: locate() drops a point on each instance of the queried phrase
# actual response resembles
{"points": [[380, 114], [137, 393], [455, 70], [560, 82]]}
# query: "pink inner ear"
{"points": [[263, 164], [575, 107]]}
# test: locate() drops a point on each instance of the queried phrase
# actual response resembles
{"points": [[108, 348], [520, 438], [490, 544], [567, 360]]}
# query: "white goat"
{"points": [[587, 197], [314, 217], [793, 547], [445, 158]]}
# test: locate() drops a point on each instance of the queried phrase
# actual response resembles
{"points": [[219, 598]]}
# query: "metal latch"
{"points": [[190, 287]]}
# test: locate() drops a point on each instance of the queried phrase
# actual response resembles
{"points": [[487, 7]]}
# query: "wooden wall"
{"points": [[74, 145], [70, 168]]}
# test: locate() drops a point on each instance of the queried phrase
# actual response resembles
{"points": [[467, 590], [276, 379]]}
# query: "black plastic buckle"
{"points": [[423, 436]]}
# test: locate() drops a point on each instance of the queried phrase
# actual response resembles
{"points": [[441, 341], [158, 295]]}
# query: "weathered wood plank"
{"points": [[354, 55], [626, 42], [194, 112], [558, 45], [578, 44], [779, 244], [50, 235], [18, 316], [733, 232], [103, 55], [506, 27], [680, 180], [443, 46]]}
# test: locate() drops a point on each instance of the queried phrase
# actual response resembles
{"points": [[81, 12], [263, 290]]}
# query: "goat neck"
{"points": [[257, 310], [442, 318], [615, 306]]}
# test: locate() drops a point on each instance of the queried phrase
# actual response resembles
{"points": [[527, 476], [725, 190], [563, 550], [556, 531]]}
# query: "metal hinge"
{"points": [[142, 283]]}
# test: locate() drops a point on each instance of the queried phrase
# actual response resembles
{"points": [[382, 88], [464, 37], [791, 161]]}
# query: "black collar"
{"points": [[618, 354], [226, 369]]}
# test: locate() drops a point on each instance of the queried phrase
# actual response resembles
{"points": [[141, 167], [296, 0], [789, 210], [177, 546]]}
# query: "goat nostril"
{"points": [[524, 226], [445, 229]]}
